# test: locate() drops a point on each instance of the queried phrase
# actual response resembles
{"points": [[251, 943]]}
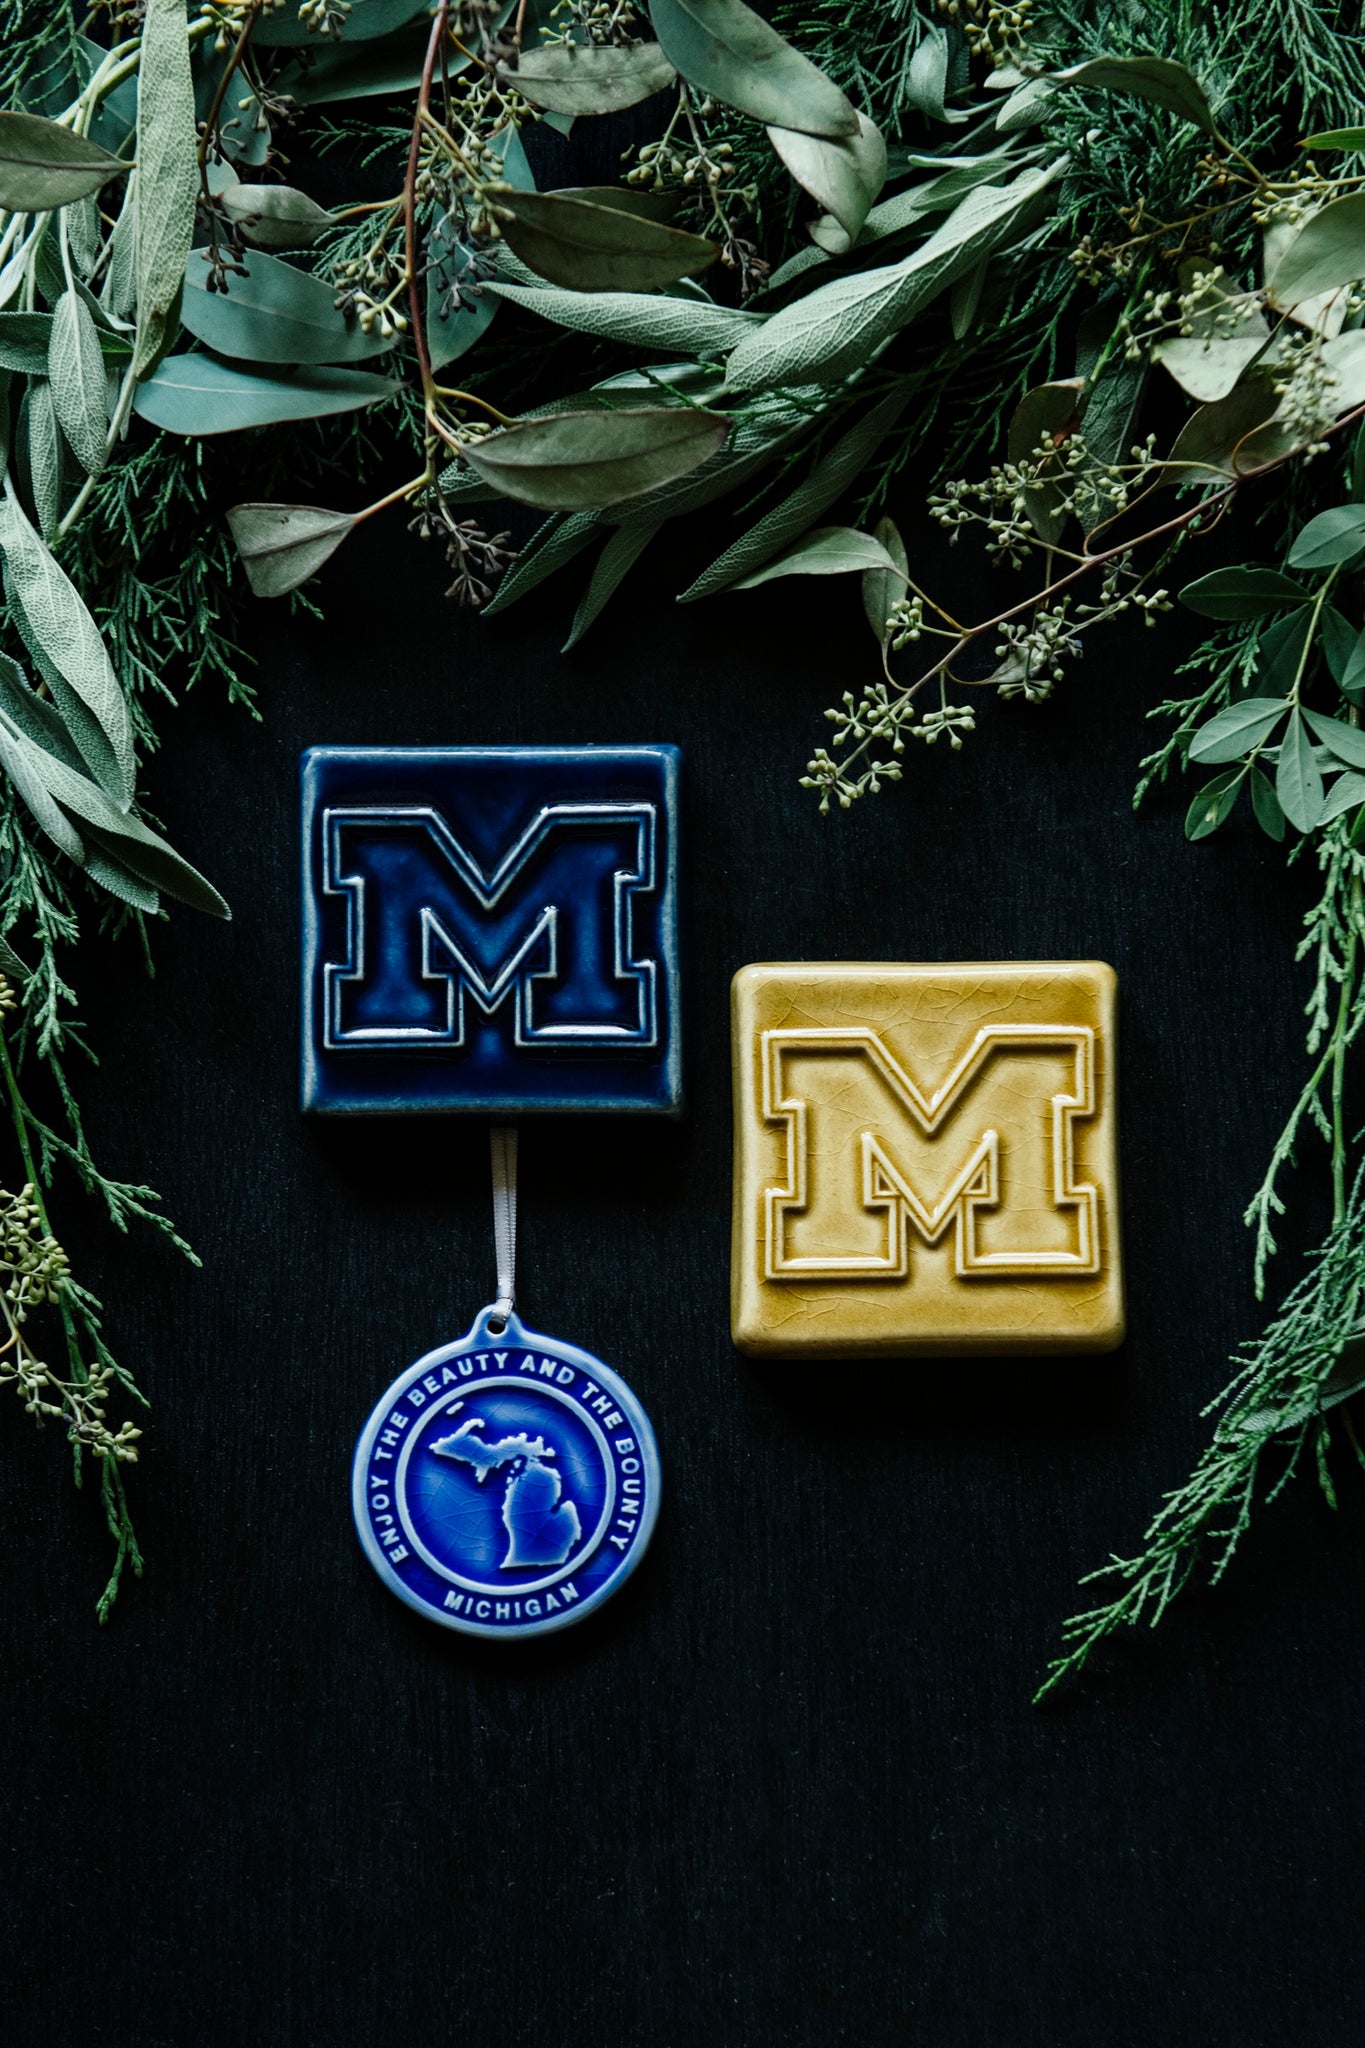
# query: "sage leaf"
{"points": [[617, 558], [197, 395], [1157, 79], [281, 546], [120, 881], [119, 291], [167, 179], [77, 376], [26, 342], [1345, 793], [131, 842], [1245, 592], [17, 759], [840, 326], [274, 216], [36, 717], [843, 175], [964, 301], [1298, 780], [40, 445], [275, 314], [731, 54], [1213, 806], [580, 461], [831, 475], [926, 78], [1337, 535], [44, 166], [884, 588], [1327, 252], [640, 319], [553, 543], [1238, 728], [59, 622], [825, 551], [1347, 742], [1266, 805], [591, 247], [591, 78]]}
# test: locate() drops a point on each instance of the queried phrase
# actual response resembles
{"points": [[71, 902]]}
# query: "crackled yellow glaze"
{"points": [[925, 1158]]}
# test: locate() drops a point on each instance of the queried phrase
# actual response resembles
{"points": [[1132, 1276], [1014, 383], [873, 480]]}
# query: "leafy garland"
{"points": [[964, 225]]}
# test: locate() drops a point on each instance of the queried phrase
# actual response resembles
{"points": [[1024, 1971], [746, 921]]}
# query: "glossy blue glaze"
{"points": [[507, 1484], [490, 929]]}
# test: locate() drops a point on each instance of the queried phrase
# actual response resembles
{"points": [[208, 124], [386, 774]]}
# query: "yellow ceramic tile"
{"points": [[925, 1158]]}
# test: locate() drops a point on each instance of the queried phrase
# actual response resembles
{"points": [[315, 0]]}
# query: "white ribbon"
{"points": [[504, 1147]]}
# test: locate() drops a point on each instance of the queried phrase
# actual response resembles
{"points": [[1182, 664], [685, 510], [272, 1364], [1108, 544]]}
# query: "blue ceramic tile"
{"points": [[490, 929]]}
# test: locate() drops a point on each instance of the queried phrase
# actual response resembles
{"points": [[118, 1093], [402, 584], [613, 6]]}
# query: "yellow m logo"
{"points": [[843, 1091], [925, 1158]]}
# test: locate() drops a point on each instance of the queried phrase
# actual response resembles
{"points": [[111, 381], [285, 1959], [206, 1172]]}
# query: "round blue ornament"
{"points": [[506, 1484]]}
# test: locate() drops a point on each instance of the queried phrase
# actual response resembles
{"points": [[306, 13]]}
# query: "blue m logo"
{"points": [[545, 934]]}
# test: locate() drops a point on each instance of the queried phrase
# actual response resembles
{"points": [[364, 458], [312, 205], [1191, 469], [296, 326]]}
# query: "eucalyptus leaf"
{"points": [[1266, 805], [1238, 728], [1280, 654], [1213, 805], [831, 475], [760, 435], [585, 460], [843, 175], [1339, 639], [167, 177], [1298, 780], [275, 314], [274, 216], [44, 166], [1327, 252], [825, 551], [59, 621], [459, 307], [1234, 437], [364, 21], [552, 544], [1335, 138], [197, 395], [79, 385], [884, 588], [1045, 418], [840, 326], [1208, 369], [1246, 592], [1158, 79], [640, 319], [1352, 677], [1347, 742], [281, 546], [591, 78], [339, 71], [617, 558], [586, 246], [731, 54], [1337, 535], [1344, 795]]}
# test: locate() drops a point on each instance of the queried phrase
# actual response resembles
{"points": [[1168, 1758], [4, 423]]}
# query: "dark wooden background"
{"points": [[788, 1787]]}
